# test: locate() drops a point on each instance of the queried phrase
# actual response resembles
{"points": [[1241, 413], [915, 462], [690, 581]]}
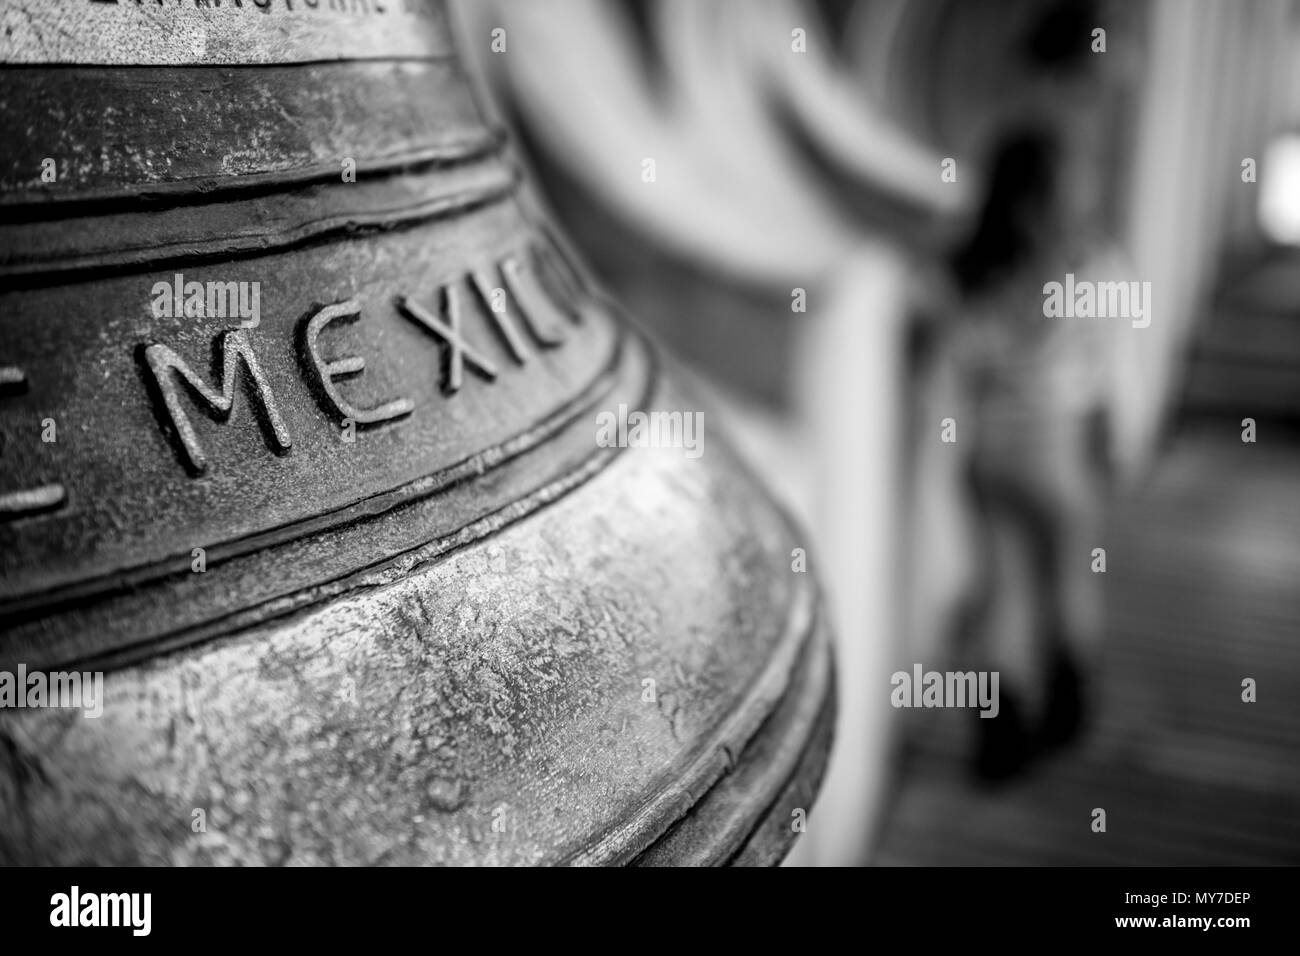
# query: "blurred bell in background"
{"points": [[844, 218]]}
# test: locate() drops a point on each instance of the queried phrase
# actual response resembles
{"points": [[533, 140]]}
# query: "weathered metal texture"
{"points": [[154, 32], [365, 585]]}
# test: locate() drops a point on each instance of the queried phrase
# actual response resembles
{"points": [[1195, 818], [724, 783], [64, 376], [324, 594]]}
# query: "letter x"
{"points": [[449, 332]]}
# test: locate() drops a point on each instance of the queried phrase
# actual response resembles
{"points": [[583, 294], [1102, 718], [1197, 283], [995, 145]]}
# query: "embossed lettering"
{"points": [[449, 332], [233, 347], [329, 370], [531, 306], [481, 280], [529, 295]]}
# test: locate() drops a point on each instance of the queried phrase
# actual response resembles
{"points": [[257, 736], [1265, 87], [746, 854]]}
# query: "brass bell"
{"points": [[343, 520]]}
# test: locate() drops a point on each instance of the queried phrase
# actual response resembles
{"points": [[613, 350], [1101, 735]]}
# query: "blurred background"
{"points": [[840, 217]]}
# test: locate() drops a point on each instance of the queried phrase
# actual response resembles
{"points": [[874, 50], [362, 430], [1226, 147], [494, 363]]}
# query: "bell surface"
{"points": [[325, 451]]}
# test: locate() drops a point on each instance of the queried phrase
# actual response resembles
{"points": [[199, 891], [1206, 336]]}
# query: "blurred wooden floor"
{"points": [[1203, 584]]}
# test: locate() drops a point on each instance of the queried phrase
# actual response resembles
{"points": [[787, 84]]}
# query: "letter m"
{"points": [[233, 347], [1116, 297], [223, 299], [120, 904], [65, 688], [962, 689]]}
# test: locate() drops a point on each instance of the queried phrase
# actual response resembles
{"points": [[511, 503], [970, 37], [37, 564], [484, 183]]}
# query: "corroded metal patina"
{"points": [[299, 395]]}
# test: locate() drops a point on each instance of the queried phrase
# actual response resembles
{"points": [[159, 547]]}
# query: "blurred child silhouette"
{"points": [[1037, 397]]}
